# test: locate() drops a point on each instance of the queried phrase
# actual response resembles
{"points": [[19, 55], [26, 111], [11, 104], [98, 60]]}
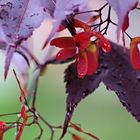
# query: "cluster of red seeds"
{"points": [[82, 48]]}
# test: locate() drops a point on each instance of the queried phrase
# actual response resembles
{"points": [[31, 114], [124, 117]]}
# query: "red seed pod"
{"points": [[2, 129], [135, 53], [76, 137]]}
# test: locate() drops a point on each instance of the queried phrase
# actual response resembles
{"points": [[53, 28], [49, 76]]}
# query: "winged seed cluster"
{"points": [[117, 69]]}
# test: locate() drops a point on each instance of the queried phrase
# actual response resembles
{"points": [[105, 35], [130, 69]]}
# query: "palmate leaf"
{"points": [[122, 9], [64, 8], [78, 89], [123, 79], [116, 72], [18, 19]]}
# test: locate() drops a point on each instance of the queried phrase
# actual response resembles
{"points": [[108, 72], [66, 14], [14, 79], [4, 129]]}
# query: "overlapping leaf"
{"points": [[19, 18], [49, 6], [122, 9], [123, 79], [116, 73], [64, 8], [78, 89]]}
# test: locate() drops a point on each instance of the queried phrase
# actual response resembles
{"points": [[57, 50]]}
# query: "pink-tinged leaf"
{"points": [[62, 10], [9, 55], [122, 9], [25, 118], [20, 18], [83, 38], [92, 56], [22, 94], [78, 128], [3, 38], [65, 54], [49, 6], [135, 53], [82, 65], [2, 129], [63, 42]]}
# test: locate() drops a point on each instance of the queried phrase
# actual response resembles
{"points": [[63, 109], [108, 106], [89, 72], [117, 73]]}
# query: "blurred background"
{"points": [[100, 113]]}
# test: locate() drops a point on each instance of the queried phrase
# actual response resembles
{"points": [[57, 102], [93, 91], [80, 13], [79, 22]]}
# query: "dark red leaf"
{"points": [[122, 78], [78, 89], [117, 74]]}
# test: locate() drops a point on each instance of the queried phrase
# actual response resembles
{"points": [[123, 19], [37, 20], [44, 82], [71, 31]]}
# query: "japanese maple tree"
{"points": [[91, 56]]}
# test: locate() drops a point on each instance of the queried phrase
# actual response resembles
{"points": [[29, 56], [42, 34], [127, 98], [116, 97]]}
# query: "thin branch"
{"points": [[9, 114], [31, 55], [108, 21], [41, 131], [138, 8], [35, 93], [90, 11]]}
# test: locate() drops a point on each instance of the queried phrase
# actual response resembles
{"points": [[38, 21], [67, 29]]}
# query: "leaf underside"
{"points": [[19, 18], [116, 72]]}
